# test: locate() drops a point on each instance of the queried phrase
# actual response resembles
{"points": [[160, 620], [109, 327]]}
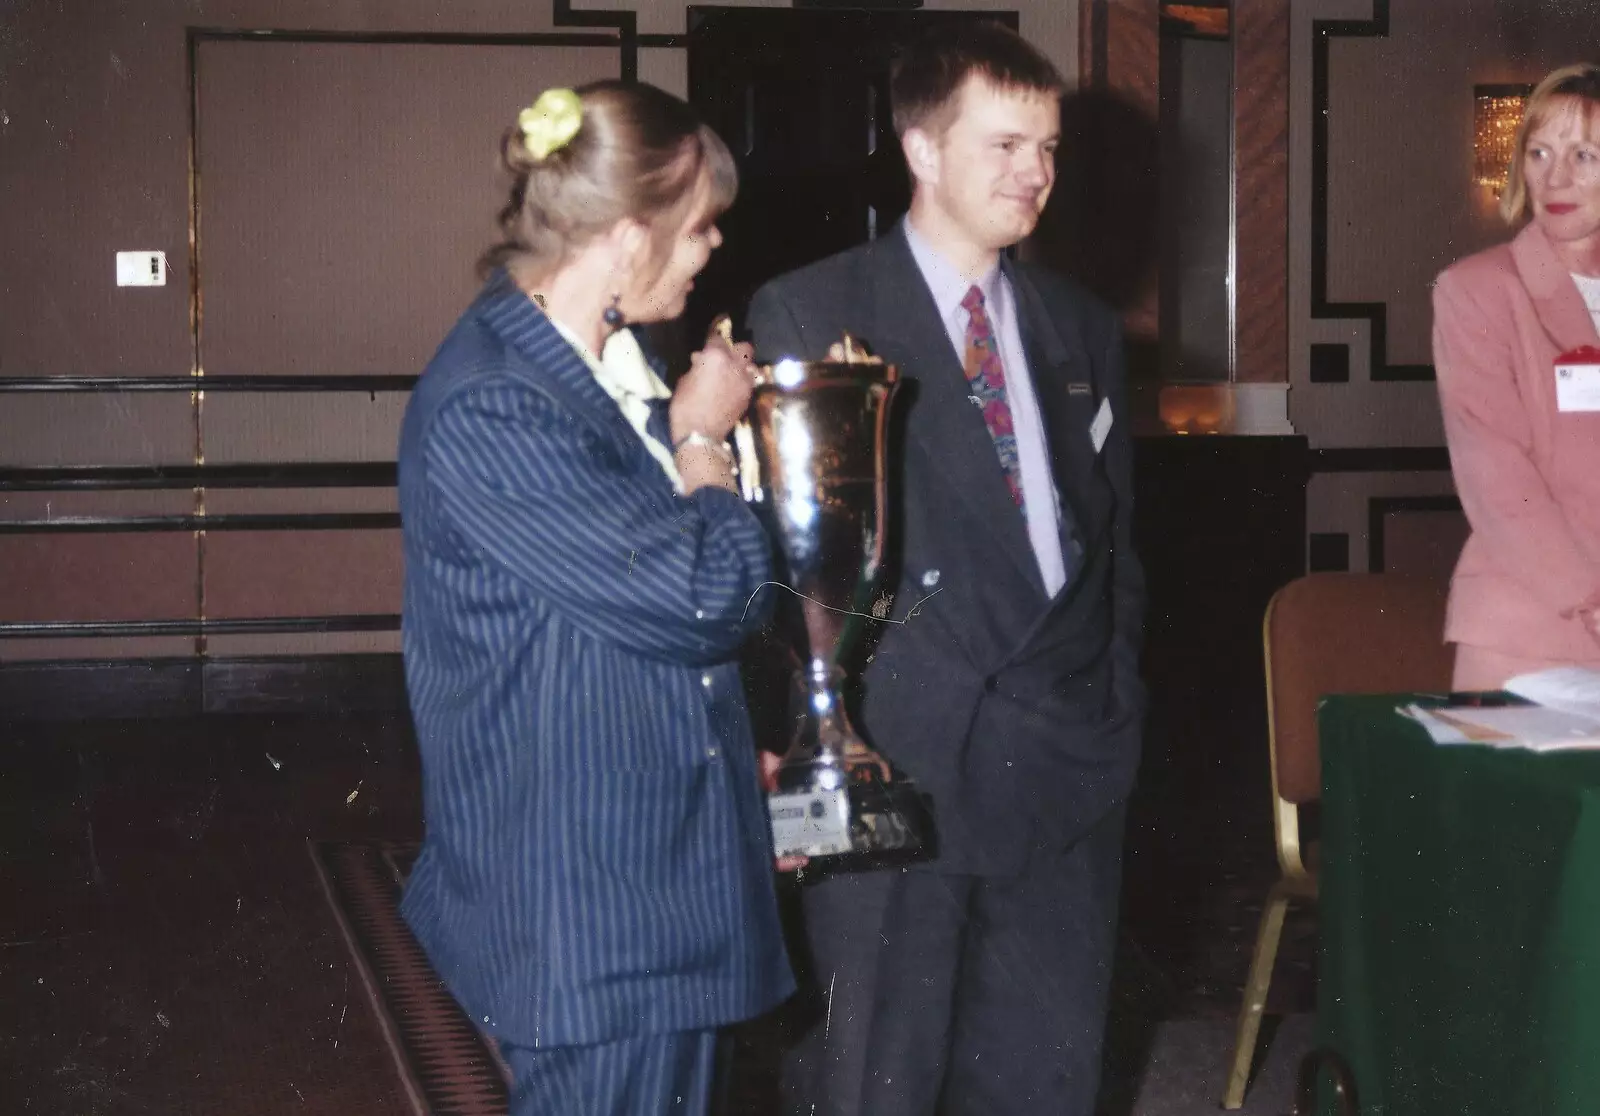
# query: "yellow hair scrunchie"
{"points": [[550, 122]]}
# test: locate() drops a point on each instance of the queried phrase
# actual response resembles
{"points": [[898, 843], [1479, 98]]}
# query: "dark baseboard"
{"points": [[190, 687]]}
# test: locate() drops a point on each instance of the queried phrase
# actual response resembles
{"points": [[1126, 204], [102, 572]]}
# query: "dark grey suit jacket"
{"points": [[1018, 713]]}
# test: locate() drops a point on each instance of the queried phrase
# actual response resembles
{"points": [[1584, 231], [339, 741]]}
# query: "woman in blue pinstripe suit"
{"points": [[595, 885]]}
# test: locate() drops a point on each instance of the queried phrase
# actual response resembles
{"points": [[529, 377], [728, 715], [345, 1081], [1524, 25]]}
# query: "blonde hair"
{"points": [[1581, 81], [639, 153]]}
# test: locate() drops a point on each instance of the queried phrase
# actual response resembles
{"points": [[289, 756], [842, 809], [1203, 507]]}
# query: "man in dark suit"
{"points": [[977, 983]]}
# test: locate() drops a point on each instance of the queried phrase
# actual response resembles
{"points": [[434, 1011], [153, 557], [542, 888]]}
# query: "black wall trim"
{"points": [[286, 521], [1380, 507], [1376, 314], [1328, 552], [422, 38], [255, 625], [80, 690], [1330, 364], [190, 383], [1381, 459], [83, 478], [626, 23]]}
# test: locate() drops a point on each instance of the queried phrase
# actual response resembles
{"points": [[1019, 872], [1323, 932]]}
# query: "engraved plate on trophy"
{"points": [[811, 822], [813, 462]]}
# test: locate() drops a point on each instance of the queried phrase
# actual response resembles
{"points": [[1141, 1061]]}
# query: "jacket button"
{"points": [[991, 683]]}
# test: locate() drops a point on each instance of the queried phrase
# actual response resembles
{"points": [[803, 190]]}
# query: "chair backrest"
{"points": [[1342, 633]]}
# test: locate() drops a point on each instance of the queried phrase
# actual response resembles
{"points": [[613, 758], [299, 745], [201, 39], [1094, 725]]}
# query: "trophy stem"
{"points": [[825, 745]]}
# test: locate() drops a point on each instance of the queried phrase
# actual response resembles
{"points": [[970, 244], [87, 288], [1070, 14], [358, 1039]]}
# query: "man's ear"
{"points": [[922, 155]]}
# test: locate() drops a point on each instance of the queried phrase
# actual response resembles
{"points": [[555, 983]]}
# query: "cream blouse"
{"points": [[627, 377]]}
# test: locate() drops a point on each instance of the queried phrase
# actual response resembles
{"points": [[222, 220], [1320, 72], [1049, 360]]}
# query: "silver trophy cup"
{"points": [[812, 461]]}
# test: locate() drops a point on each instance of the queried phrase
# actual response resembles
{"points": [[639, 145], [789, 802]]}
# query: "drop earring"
{"points": [[613, 314]]}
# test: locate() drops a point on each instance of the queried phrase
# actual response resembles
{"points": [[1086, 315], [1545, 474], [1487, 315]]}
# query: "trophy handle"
{"points": [[745, 462]]}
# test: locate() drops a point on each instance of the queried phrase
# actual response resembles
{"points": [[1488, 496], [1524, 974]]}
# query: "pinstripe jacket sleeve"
{"points": [[550, 503]]}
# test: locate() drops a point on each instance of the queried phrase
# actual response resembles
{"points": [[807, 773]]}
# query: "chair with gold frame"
{"points": [[1326, 633]]}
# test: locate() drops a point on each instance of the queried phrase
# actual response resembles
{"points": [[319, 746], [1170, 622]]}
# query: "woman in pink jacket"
{"points": [[1526, 591]]}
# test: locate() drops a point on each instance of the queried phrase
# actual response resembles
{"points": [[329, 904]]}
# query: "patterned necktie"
{"points": [[987, 376]]}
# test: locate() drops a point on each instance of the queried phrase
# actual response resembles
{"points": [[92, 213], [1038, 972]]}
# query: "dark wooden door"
{"points": [[802, 99]]}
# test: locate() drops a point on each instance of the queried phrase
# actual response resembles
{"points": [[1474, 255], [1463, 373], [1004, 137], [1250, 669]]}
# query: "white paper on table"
{"points": [[1522, 726], [1572, 689], [1437, 729]]}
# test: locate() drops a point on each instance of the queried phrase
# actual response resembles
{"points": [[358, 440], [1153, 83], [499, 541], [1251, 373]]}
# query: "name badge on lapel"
{"points": [[1578, 380], [1101, 426]]}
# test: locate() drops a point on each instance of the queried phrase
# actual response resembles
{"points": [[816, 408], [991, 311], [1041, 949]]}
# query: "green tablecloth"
{"points": [[1460, 920]]}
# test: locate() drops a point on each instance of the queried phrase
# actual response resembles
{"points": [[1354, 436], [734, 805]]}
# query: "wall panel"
{"points": [[53, 649], [302, 573], [239, 427], [299, 501], [65, 505], [1353, 505], [346, 192], [96, 428], [144, 576], [304, 643], [1392, 165], [1423, 542]]}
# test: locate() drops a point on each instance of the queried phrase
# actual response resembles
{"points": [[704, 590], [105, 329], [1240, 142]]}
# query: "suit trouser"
{"points": [[961, 995], [647, 1076]]}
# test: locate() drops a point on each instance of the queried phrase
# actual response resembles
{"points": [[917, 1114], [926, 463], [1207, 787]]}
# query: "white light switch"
{"points": [[141, 269]]}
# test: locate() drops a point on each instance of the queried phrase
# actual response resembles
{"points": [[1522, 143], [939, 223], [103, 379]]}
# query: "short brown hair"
{"points": [[1581, 81], [639, 152], [928, 73]]}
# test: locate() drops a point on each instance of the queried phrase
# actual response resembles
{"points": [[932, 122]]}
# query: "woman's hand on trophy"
{"points": [[715, 392], [770, 762]]}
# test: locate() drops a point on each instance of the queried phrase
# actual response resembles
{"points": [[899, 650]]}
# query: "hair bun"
{"points": [[549, 123]]}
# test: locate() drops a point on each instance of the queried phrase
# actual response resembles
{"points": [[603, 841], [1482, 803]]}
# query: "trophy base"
{"points": [[868, 823]]}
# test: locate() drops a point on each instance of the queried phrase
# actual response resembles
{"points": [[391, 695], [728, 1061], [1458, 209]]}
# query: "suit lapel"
{"points": [[945, 423], [1556, 298], [547, 358]]}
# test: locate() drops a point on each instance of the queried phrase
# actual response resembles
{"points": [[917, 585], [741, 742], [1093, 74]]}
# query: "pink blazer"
{"points": [[1528, 475]]}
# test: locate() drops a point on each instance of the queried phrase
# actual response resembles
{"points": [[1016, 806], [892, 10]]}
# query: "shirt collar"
{"points": [[947, 285], [625, 374], [622, 369]]}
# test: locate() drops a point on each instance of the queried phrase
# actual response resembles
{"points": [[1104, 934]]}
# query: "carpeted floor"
{"points": [[169, 949], [168, 946]]}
